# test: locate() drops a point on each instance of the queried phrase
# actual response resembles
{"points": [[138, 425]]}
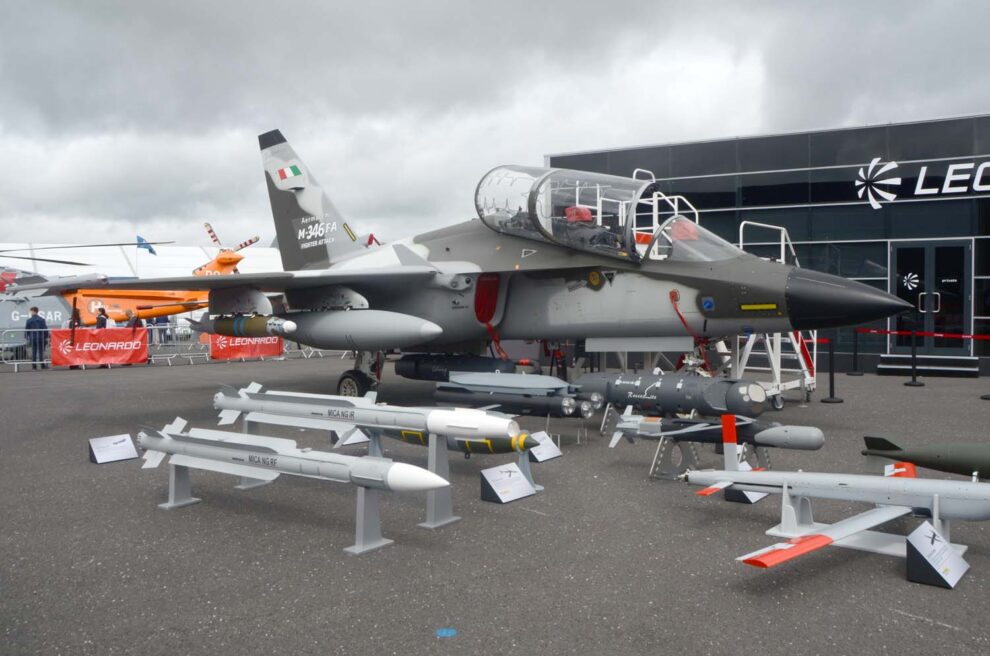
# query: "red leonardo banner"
{"points": [[223, 347], [99, 346]]}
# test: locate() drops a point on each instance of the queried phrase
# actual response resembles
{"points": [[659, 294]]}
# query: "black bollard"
{"points": [[914, 382], [855, 371], [831, 398]]}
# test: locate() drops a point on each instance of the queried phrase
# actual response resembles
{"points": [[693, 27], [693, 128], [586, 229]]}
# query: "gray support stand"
{"points": [[367, 523], [527, 470], [375, 446], [795, 514], [179, 491], [663, 465], [439, 503]]}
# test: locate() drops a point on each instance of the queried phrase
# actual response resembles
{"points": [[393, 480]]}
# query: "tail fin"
{"points": [[880, 444], [311, 233], [730, 443]]}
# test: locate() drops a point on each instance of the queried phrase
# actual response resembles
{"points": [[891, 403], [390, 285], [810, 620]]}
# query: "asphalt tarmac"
{"points": [[604, 561]]}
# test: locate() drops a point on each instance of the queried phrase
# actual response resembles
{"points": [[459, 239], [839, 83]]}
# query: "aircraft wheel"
{"points": [[353, 383], [777, 401]]}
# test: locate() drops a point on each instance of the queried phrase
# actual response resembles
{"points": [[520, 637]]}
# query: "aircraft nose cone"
{"points": [[821, 300]]}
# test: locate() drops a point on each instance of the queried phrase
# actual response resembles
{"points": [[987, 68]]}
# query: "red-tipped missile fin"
{"points": [[785, 551], [712, 489], [900, 470]]}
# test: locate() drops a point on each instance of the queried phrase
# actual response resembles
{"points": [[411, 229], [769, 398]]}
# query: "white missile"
{"points": [[364, 412], [266, 458]]}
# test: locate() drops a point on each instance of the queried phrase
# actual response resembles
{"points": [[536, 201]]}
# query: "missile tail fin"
{"points": [[880, 444], [152, 459]]}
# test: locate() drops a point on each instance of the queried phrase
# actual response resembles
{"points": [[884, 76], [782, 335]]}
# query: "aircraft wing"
{"points": [[267, 282], [785, 551]]}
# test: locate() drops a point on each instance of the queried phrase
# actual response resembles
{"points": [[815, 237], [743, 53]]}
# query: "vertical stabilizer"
{"points": [[311, 233]]}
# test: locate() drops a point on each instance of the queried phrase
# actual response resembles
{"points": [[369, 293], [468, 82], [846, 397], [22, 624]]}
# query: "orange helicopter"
{"points": [[149, 303]]}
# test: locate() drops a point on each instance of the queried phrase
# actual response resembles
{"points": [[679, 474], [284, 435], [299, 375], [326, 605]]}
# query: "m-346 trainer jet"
{"points": [[554, 254]]}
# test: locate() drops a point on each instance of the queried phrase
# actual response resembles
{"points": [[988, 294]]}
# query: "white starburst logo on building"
{"points": [[911, 281], [869, 182]]}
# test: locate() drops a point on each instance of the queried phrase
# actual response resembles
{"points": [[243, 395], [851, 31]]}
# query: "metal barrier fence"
{"points": [[167, 344]]}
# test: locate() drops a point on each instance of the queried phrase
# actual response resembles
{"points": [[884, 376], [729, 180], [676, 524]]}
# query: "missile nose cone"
{"points": [[288, 327], [402, 477], [529, 442], [429, 330], [821, 300], [806, 438]]}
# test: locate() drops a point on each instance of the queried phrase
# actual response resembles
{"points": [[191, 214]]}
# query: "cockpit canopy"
{"points": [[609, 215]]}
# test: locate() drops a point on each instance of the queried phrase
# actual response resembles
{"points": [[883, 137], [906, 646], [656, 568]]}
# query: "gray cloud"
{"points": [[125, 117]]}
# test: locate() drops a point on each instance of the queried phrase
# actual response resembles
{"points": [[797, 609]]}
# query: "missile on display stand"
{"points": [[680, 393]]}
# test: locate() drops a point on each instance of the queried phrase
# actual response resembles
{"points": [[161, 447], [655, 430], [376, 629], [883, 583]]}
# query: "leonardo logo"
{"points": [[65, 347], [911, 281], [871, 182], [222, 341]]}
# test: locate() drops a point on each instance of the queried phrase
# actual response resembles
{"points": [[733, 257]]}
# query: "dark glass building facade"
{"points": [[902, 207]]}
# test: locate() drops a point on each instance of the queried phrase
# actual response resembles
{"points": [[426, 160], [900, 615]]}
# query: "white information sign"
{"points": [[546, 450], [936, 550], [111, 448], [506, 482]]}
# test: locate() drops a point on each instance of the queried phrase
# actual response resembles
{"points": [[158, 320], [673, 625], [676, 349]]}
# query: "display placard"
{"points": [[546, 450], [111, 449], [505, 483], [932, 560]]}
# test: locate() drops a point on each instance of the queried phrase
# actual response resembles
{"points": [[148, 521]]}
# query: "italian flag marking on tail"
{"points": [[289, 172]]}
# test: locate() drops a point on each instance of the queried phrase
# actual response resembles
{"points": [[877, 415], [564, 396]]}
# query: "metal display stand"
{"points": [[367, 523], [796, 520], [663, 466], [439, 503], [526, 468], [179, 489]]}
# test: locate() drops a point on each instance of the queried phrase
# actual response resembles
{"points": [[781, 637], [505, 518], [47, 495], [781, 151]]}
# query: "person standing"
{"points": [[101, 318], [37, 330], [75, 322]]}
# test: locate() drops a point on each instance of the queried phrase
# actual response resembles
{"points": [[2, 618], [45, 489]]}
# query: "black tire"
{"points": [[353, 383], [777, 401]]}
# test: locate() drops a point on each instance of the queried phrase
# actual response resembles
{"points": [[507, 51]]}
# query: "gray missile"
{"points": [[756, 433], [266, 458], [438, 367], [965, 459], [364, 412], [676, 393], [362, 330]]}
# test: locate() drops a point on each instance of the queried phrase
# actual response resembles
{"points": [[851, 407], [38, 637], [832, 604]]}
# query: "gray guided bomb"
{"points": [[266, 458], [438, 367], [680, 393]]}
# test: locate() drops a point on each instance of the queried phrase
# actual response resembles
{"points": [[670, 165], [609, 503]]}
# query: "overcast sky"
{"points": [[118, 118]]}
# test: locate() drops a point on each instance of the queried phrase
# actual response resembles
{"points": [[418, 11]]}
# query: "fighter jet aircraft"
{"points": [[554, 254]]}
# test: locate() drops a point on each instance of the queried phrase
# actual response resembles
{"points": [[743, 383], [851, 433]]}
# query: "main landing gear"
{"points": [[363, 377]]}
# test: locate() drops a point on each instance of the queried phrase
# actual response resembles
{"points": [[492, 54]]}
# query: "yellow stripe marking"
{"points": [[490, 447], [748, 307], [350, 233], [467, 445]]}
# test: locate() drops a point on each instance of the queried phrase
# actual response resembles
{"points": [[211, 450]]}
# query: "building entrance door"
{"points": [[936, 278]]}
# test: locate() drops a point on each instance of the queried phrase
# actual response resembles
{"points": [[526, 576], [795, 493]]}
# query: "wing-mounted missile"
{"points": [[245, 326]]}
